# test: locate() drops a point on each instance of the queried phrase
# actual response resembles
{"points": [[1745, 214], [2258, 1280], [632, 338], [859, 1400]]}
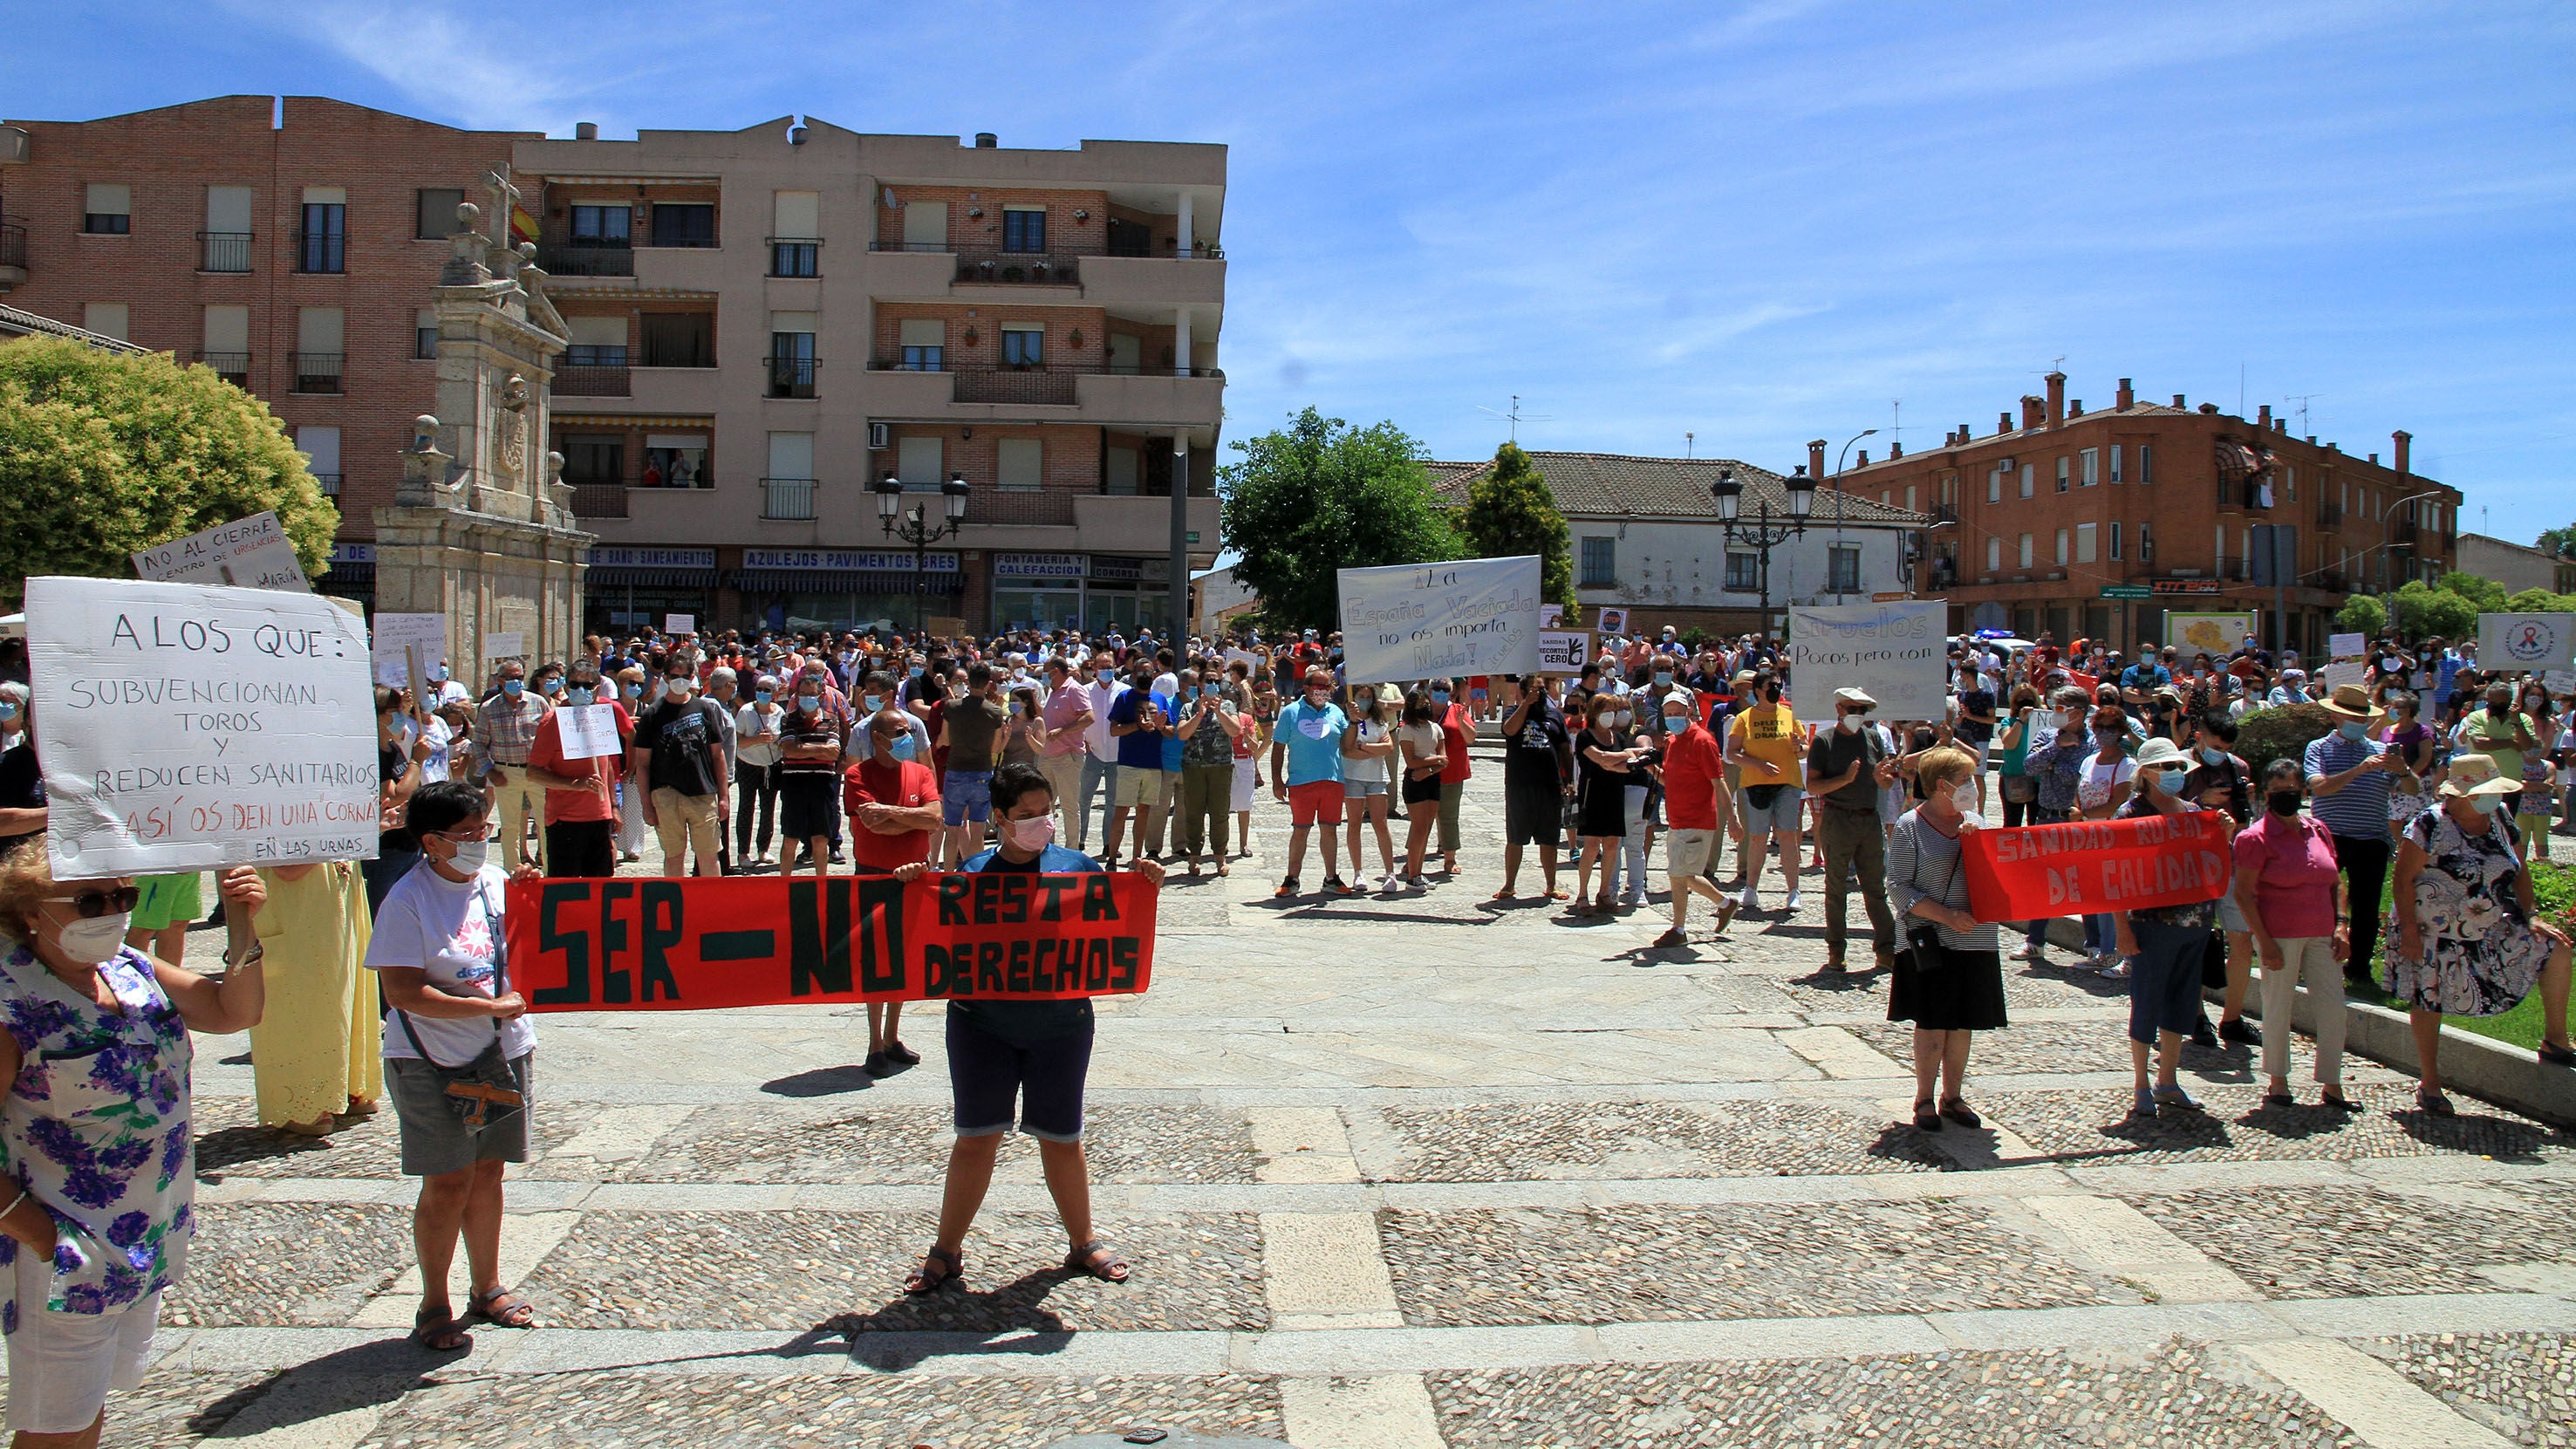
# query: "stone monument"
{"points": [[481, 530]]}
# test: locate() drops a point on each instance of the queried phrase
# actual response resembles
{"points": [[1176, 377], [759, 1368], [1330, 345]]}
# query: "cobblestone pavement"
{"points": [[1404, 1171]]}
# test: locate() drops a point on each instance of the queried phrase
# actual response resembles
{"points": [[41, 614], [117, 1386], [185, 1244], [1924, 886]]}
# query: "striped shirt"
{"points": [[507, 726], [2360, 808], [1923, 864]]}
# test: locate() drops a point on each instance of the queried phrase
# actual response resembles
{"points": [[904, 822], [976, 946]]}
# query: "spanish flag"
{"points": [[523, 227]]}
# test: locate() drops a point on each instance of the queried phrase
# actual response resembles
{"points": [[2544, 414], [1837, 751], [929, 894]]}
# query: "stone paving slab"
{"points": [[2356, 1241], [1644, 1140], [2052, 1046], [231, 1143], [2521, 1385], [2076, 1127], [1647, 1263], [176, 1407], [845, 1142], [2026, 989], [278, 1264], [2165, 1395], [845, 1272]]}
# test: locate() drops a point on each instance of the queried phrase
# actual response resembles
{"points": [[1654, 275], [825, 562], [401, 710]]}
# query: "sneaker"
{"points": [[1416, 883], [1791, 904], [1335, 886], [2234, 1029], [2031, 951], [1670, 939], [1751, 901], [2203, 1035], [1394, 882], [1286, 889]]}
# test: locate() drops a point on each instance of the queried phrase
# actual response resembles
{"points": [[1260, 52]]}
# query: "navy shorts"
{"points": [[2164, 979], [966, 797], [990, 1075]]}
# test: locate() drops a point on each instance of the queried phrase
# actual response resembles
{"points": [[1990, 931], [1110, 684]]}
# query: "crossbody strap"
{"points": [[500, 976]]}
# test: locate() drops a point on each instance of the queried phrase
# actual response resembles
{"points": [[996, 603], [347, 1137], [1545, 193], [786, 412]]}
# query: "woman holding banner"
{"points": [[2469, 941], [2163, 946], [1949, 979]]}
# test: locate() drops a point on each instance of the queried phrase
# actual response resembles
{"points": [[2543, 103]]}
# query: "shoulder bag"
{"points": [[484, 1087], [1924, 954]]}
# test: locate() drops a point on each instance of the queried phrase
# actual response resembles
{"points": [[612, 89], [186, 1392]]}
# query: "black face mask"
{"points": [[2284, 803], [1770, 694]]}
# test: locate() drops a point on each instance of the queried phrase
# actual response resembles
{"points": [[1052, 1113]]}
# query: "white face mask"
{"points": [[1035, 833], [94, 939], [1848, 724], [469, 856], [1963, 797]]}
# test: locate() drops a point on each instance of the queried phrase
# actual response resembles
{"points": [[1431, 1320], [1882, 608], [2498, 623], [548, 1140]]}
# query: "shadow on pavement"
{"points": [[820, 1082]]}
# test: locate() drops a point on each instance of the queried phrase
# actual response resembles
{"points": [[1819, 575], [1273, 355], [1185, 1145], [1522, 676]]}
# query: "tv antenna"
{"points": [[2302, 399], [1690, 445], [1896, 424], [1517, 417]]}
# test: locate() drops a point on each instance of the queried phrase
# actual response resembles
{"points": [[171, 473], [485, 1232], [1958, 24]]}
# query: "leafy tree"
{"points": [[2538, 601], [1321, 495], [2559, 541], [1510, 512], [104, 454], [2486, 593], [2424, 611], [2362, 614]]}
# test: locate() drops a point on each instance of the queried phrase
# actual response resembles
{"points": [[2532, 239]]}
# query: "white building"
{"points": [[1646, 536]]}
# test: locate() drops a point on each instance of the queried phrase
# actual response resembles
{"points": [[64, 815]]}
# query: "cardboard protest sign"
{"points": [[503, 644], [2531, 642], [2216, 635], [188, 726], [1897, 652], [1613, 621], [251, 553], [2345, 646], [588, 731], [679, 623], [1475, 616], [392, 634], [709, 942], [1564, 651], [2088, 867]]}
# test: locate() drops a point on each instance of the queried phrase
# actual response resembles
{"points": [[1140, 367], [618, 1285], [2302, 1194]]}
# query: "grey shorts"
{"points": [[1362, 789], [434, 1142], [1780, 819]]}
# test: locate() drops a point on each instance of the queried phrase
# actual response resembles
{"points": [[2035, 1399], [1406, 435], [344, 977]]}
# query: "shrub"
{"points": [[2281, 732]]}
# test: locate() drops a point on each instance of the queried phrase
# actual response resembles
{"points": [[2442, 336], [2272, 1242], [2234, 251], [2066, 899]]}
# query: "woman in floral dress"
{"points": [[2468, 943], [100, 1170]]}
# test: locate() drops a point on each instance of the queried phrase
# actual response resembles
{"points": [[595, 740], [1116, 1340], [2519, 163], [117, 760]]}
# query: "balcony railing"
{"points": [[1045, 384], [1945, 513], [13, 244], [232, 367], [321, 251], [315, 371], [330, 484], [795, 256], [591, 379], [2329, 515], [599, 500], [574, 259], [1202, 250], [788, 498], [2235, 568], [792, 376], [225, 251], [1053, 268]]}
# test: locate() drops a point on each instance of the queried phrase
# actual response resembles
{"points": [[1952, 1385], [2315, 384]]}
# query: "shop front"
{"points": [[803, 589], [631, 588], [352, 574], [1092, 592], [1125, 593]]}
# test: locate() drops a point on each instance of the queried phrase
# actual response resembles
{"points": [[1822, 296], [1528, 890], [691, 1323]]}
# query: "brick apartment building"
{"points": [[2032, 523], [765, 323]]}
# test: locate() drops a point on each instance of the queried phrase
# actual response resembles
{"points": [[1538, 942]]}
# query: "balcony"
{"points": [[592, 380], [330, 484], [790, 499], [599, 500], [1039, 386], [1159, 396], [792, 377], [317, 372], [2329, 515], [232, 367], [2235, 568], [1142, 523], [1055, 269], [795, 256], [13, 252], [1941, 513], [1117, 281], [321, 252], [574, 259], [225, 251]]}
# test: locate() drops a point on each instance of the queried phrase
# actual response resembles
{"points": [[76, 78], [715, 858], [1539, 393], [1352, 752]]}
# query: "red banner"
{"points": [[692, 944], [2089, 867]]}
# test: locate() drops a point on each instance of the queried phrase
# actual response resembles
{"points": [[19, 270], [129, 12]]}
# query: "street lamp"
{"points": [[1761, 534], [909, 525], [2388, 525], [1846, 452]]}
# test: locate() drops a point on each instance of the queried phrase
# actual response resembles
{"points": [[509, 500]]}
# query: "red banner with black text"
{"points": [[699, 943], [2088, 867]]}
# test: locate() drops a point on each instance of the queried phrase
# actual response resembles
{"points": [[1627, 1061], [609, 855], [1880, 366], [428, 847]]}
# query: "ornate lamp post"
{"points": [[1761, 534], [912, 527]]}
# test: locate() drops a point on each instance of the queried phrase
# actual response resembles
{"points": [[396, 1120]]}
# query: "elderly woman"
{"points": [[2468, 940], [1959, 991], [458, 1051], [2285, 887], [101, 1174], [2055, 758]]}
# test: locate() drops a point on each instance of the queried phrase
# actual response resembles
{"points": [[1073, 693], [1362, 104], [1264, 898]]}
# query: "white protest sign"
{"points": [[679, 623], [503, 644], [2344, 646], [1564, 651], [2512, 642], [2343, 672], [588, 731], [396, 632], [252, 552], [2558, 681], [1550, 615], [189, 726], [1613, 621], [1895, 652], [1414, 621]]}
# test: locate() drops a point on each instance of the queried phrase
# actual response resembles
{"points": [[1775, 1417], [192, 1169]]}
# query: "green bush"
{"points": [[2281, 732], [2362, 614]]}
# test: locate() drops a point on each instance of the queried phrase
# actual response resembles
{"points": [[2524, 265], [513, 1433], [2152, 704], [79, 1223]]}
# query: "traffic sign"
{"points": [[2127, 591]]}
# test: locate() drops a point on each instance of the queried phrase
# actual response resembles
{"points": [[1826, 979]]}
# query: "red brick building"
{"points": [[2034, 521]]}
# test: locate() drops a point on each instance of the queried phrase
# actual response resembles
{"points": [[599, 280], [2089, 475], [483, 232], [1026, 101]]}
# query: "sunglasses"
{"points": [[93, 904]]}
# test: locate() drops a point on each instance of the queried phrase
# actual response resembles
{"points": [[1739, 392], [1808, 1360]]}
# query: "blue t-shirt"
{"points": [[1137, 749], [1172, 742], [1022, 1022], [1314, 740]]}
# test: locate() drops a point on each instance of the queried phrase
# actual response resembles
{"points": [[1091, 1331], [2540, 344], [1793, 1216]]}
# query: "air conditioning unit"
{"points": [[880, 437]]}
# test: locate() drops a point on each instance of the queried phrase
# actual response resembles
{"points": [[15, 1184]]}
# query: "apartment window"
{"points": [[226, 240], [2115, 540], [596, 342], [1600, 563], [1119, 472], [1909, 498], [321, 243], [2084, 545], [1023, 346], [796, 233], [679, 339], [676, 460], [1994, 555], [925, 344], [2146, 464], [594, 460], [689, 224], [321, 450], [2290, 478], [2061, 472], [318, 334], [424, 334], [917, 463], [226, 336], [1842, 568], [2115, 463], [787, 491], [791, 364], [2092, 467], [107, 319], [1019, 465], [602, 226], [1024, 228], [434, 212], [2029, 478], [1995, 486], [109, 209], [1743, 573], [2025, 551], [2061, 548]]}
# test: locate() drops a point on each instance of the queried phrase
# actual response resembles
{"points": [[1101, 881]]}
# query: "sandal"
{"points": [[2434, 1104], [322, 1126], [2334, 1097], [437, 1330], [1098, 1259], [923, 1281], [2557, 1056], [1505, 894], [1925, 1119], [1956, 1109], [500, 1308]]}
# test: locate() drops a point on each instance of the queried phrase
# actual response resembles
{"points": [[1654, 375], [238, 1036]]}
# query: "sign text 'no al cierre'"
{"points": [[1414, 621], [707, 942], [189, 726]]}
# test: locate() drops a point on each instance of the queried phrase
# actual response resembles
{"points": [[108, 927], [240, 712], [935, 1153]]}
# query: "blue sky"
{"points": [[1758, 222]]}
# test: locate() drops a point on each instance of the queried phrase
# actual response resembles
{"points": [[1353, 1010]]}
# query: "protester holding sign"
{"points": [[1847, 767], [1034, 1056], [581, 812], [2163, 946], [97, 1060], [1949, 977], [22, 780]]}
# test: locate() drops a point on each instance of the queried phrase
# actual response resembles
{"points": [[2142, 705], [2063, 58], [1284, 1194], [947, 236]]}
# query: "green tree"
{"points": [[1321, 495], [1510, 512], [2362, 614], [2486, 593], [2559, 541], [2424, 611], [104, 454], [2536, 601]]}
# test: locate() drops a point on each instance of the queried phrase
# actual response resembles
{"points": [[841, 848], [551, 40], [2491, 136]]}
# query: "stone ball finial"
{"points": [[527, 251], [424, 433], [468, 216], [554, 467]]}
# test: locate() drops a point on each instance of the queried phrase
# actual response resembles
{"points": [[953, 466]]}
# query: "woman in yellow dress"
{"points": [[316, 1053]]}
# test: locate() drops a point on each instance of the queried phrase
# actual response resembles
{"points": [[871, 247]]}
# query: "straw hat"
{"points": [[2160, 751], [2349, 701], [2474, 777]]}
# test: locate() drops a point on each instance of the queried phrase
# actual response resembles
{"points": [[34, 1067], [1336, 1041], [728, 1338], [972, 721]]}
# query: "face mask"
{"points": [[578, 696], [1316, 697], [1103, 675], [2352, 729], [1018, 708], [511, 687], [874, 702], [903, 747], [1438, 696], [550, 687], [2213, 757], [808, 703], [469, 856], [1035, 833], [438, 674], [2169, 781], [680, 688], [1663, 676], [1849, 724], [916, 671], [1620, 718], [760, 696], [634, 691], [2284, 803], [94, 939], [2493, 804], [1676, 723], [1963, 797]]}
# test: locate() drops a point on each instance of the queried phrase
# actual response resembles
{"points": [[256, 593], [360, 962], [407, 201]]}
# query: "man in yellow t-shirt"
{"points": [[1765, 742]]}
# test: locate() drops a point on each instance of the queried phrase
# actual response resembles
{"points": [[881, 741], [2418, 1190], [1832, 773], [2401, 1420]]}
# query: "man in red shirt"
{"points": [[1694, 768], [893, 804], [581, 816]]}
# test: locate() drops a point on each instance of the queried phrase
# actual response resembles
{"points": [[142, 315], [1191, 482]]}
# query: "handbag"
{"points": [[1924, 954], [2020, 789], [476, 1088]]}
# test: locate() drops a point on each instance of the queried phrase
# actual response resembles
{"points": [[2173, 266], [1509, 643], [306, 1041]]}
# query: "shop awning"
{"points": [[845, 581], [648, 578]]}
